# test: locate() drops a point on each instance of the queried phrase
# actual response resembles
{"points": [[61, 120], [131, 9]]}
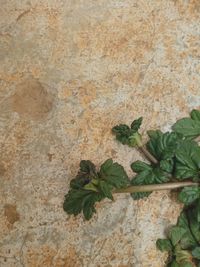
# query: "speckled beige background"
{"points": [[69, 71]]}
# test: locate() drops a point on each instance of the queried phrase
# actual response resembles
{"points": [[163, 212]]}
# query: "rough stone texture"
{"points": [[69, 71]]}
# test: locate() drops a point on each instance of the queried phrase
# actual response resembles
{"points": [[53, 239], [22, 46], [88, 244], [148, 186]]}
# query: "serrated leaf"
{"points": [[114, 174], [167, 165], [163, 145], [195, 115], [122, 133], [189, 194], [189, 128], [128, 135], [193, 223], [78, 200], [164, 245], [149, 175], [135, 125], [106, 189], [196, 253], [139, 166], [176, 234], [187, 160], [187, 240]]}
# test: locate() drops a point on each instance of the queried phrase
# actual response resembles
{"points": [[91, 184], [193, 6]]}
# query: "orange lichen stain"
{"points": [[188, 9], [48, 257], [10, 212], [85, 91], [124, 41]]}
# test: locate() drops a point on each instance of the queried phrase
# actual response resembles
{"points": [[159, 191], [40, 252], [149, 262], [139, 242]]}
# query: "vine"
{"points": [[173, 163]]}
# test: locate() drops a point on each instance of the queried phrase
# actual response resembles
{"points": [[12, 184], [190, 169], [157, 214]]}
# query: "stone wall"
{"points": [[69, 71]]}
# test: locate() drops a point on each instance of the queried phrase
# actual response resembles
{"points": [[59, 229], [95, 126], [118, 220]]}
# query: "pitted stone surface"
{"points": [[69, 71]]}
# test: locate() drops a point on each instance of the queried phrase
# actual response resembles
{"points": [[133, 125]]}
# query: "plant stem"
{"points": [[154, 187], [148, 155]]}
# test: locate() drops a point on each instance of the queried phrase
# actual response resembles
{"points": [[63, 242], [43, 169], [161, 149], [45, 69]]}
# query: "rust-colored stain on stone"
{"points": [[10, 211], [70, 71], [31, 100]]}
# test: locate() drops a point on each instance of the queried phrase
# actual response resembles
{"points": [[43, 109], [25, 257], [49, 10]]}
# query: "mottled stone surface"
{"points": [[69, 71]]}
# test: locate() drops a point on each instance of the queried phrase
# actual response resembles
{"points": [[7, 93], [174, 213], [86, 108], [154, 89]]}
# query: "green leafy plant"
{"points": [[173, 163]]}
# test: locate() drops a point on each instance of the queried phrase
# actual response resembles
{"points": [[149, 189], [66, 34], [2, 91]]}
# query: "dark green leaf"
{"points": [[189, 194], [123, 133], [189, 128], [187, 160], [79, 199], [147, 174], [128, 135], [193, 223], [195, 114], [106, 189], [167, 165], [163, 147], [139, 166], [164, 245], [86, 173], [135, 125], [187, 240], [114, 174], [196, 253]]}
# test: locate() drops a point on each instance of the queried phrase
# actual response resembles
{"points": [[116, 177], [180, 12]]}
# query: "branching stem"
{"points": [[147, 154], [155, 187]]}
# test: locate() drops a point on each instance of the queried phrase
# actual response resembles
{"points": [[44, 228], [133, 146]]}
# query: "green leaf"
{"points": [[195, 115], [163, 145], [193, 223], [187, 160], [196, 253], [187, 240], [174, 264], [147, 174], [164, 245], [78, 200], [86, 173], [122, 132], [106, 189], [114, 174], [139, 166], [189, 128], [135, 125], [176, 234], [128, 135], [167, 165], [189, 194]]}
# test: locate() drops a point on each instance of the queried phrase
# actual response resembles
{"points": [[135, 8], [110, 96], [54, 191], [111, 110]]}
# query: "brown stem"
{"points": [[148, 155], [154, 187]]}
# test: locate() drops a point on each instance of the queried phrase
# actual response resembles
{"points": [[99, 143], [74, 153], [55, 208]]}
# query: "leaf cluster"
{"points": [[91, 186], [183, 242]]}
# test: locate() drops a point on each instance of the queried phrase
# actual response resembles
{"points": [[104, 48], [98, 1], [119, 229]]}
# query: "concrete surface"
{"points": [[69, 71]]}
